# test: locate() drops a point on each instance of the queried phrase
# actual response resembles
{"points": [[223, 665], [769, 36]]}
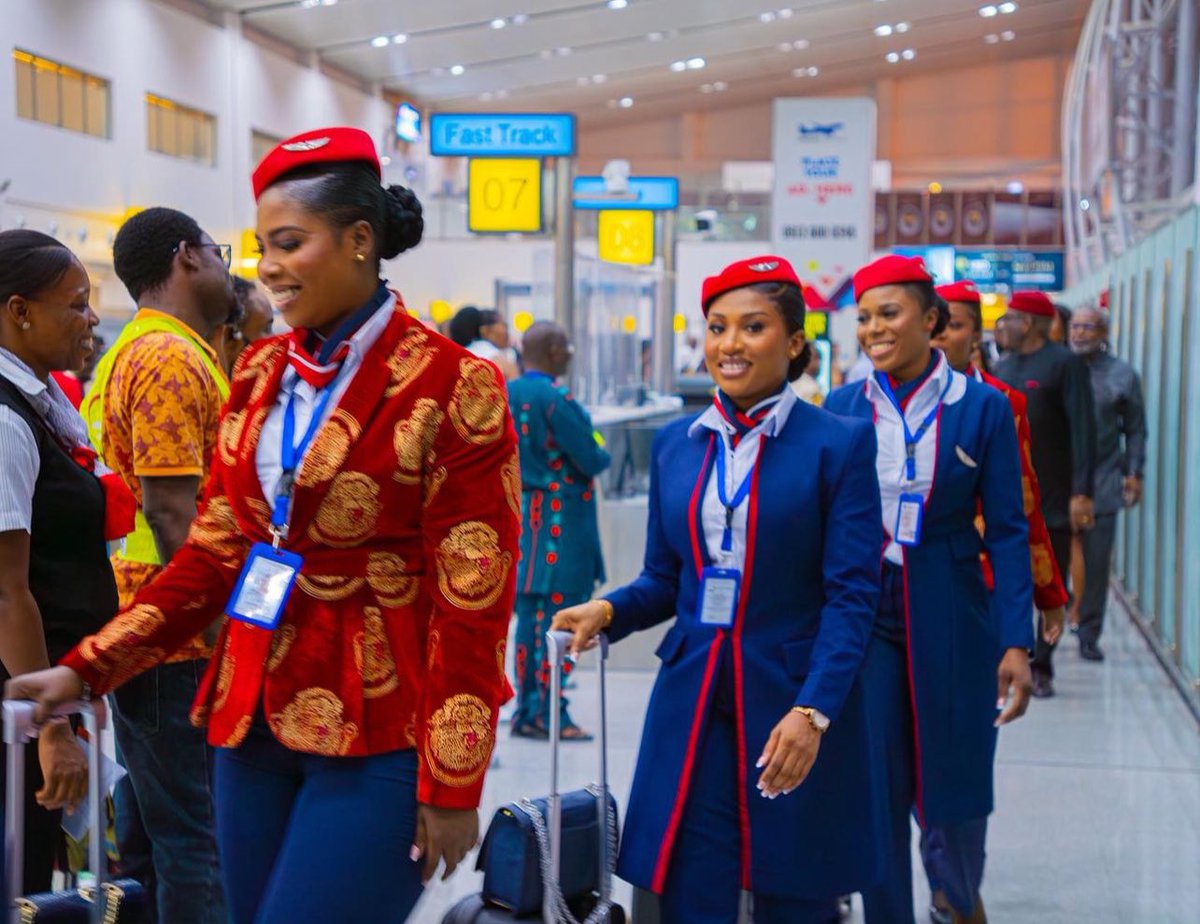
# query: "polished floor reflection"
{"points": [[1098, 793]]}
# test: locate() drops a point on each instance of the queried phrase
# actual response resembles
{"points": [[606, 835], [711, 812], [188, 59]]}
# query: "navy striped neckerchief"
{"points": [[318, 359], [743, 422]]}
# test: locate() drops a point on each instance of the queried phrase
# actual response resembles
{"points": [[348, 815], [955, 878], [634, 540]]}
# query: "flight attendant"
{"points": [[763, 546], [947, 663], [359, 533]]}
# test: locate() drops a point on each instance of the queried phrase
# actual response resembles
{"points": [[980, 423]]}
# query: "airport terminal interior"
{"points": [[600, 182]]}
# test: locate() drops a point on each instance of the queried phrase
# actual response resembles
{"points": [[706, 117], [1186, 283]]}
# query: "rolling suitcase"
{"points": [[522, 852], [119, 902]]}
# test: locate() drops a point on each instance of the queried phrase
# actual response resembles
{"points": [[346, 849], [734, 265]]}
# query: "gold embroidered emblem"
{"points": [[501, 649], [510, 476], [1043, 566], [258, 366], [217, 529], [373, 656], [392, 587], [281, 644], [313, 722], [459, 740], [133, 661], [409, 360], [413, 439], [224, 681], [433, 483], [229, 436], [328, 587], [238, 735], [478, 404], [410, 731], [329, 450], [435, 639], [261, 511], [471, 568], [1027, 490], [119, 638], [198, 716], [349, 513]]}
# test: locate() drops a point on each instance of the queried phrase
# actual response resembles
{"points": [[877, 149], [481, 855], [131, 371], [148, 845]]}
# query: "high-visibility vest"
{"points": [[139, 545]]}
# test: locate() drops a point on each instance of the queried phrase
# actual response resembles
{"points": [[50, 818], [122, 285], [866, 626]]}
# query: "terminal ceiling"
{"points": [[615, 60]]}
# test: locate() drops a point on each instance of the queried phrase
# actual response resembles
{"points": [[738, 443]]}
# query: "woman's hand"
{"points": [[1013, 674], [445, 835], [49, 689], [585, 620], [1052, 624], [789, 755], [64, 767]]}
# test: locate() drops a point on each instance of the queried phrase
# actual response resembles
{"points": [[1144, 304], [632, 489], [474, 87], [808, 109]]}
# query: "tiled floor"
{"points": [[1098, 793]]}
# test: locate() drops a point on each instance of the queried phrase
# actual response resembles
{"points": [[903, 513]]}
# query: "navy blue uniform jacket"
{"points": [[956, 633], [808, 600]]}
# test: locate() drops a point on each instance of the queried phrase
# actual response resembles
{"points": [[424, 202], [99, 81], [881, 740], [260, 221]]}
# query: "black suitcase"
{"points": [[474, 909], [119, 902]]}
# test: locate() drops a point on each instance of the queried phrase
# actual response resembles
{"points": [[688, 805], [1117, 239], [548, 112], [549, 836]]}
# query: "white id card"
{"points": [[719, 596], [264, 586], [910, 516]]}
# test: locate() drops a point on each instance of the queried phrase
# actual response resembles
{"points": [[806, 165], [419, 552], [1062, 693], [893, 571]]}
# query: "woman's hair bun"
{"points": [[404, 222]]}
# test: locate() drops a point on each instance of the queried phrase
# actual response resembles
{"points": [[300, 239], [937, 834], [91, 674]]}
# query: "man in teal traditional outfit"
{"points": [[561, 561]]}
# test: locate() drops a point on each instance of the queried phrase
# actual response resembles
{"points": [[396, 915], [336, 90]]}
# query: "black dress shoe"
{"points": [[1043, 686], [1090, 651]]}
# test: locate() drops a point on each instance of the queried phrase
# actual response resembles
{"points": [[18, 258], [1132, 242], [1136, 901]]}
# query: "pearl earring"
{"points": [[25, 325], [360, 258]]}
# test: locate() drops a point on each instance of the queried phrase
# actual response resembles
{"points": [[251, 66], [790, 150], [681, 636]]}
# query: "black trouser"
{"points": [[1043, 653], [1097, 567], [43, 831]]}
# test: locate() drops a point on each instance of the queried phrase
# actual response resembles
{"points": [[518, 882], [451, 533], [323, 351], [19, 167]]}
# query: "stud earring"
{"points": [[361, 258], [25, 325]]}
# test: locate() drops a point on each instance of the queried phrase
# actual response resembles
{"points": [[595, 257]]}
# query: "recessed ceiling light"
{"points": [[768, 16], [520, 19], [626, 102], [678, 66], [309, 4], [800, 44], [617, 4], [1015, 187], [695, 64], [903, 27], [813, 71], [499, 23], [720, 86], [563, 52], [399, 38], [883, 31], [654, 37], [1008, 35], [1007, 8], [785, 13], [987, 12], [891, 57], [991, 38], [908, 54], [380, 41], [457, 70]]}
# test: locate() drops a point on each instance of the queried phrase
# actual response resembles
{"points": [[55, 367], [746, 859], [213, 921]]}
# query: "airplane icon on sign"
{"points": [[827, 129]]}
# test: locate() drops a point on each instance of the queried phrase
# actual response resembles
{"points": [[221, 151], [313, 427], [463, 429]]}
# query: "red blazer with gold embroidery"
{"points": [[406, 510]]}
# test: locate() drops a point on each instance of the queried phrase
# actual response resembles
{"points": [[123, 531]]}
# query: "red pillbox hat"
{"points": [[319, 146], [766, 268], [890, 271], [964, 291], [1032, 302]]}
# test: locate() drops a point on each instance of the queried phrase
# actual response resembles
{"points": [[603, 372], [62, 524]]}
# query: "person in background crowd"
{"points": [[466, 329], [763, 546], [494, 329], [948, 663], [561, 561], [959, 342], [1120, 461], [807, 388], [153, 411], [249, 322], [58, 508], [1060, 324], [70, 385], [354, 703], [1062, 423]]}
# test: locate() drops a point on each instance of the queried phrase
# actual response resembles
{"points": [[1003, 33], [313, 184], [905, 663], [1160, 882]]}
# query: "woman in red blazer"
{"points": [[359, 533]]}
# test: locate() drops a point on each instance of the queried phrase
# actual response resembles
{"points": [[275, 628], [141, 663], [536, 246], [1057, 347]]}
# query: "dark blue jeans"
{"points": [[165, 818], [308, 839]]}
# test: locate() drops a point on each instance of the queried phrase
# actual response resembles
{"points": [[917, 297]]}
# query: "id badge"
{"points": [[719, 596], [264, 586], [909, 518]]}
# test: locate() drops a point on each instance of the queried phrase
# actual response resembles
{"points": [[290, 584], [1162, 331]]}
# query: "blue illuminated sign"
{"points": [[656, 193], [455, 134], [1012, 269]]}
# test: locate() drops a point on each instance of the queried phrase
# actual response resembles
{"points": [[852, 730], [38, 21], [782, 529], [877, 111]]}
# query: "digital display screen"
{"points": [[408, 123]]}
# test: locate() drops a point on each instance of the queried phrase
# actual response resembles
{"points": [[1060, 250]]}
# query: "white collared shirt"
{"points": [[889, 433], [739, 462], [269, 453], [20, 461]]}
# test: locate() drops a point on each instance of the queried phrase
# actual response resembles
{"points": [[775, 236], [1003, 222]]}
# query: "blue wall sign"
{"points": [[657, 193], [1012, 269], [454, 134]]}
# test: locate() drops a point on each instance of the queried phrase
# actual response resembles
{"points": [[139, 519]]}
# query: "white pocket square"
{"points": [[964, 458]]}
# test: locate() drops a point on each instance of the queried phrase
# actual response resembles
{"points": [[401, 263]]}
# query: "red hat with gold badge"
{"points": [[963, 291], [1032, 302], [319, 146], [766, 268], [891, 270]]}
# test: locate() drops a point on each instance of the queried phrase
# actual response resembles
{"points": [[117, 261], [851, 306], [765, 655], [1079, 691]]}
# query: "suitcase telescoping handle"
{"points": [[558, 645], [19, 730]]}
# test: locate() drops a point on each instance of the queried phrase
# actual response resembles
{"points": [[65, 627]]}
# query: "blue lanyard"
{"points": [[292, 453], [739, 497], [912, 439]]}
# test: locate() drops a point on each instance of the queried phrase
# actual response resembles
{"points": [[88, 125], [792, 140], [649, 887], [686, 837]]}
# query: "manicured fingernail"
{"points": [[761, 763], [1000, 704], [415, 853]]}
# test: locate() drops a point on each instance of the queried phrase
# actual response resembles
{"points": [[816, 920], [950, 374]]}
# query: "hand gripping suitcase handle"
{"points": [[19, 730], [558, 644]]}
